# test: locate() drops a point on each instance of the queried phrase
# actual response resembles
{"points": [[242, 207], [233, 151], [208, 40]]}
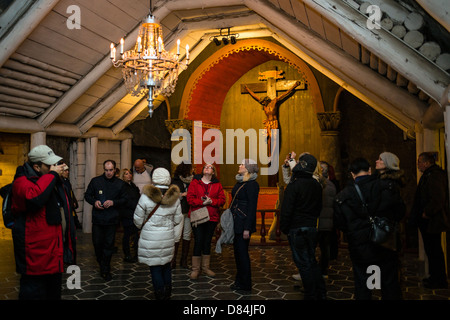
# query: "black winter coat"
{"points": [[101, 188], [302, 203], [383, 199], [244, 206], [183, 188], [432, 199], [132, 198]]}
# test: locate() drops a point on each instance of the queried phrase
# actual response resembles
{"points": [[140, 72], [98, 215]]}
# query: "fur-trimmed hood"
{"points": [[170, 196], [397, 175]]}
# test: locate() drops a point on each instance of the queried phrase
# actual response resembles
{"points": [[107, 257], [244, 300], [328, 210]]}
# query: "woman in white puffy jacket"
{"points": [[161, 231]]}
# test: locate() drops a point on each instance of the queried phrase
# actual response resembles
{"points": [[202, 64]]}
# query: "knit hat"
{"points": [[391, 161], [306, 163], [43, 154], [250, 165], [161, 178]]}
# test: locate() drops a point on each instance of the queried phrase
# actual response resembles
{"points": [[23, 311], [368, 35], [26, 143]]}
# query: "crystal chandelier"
{"points": [[148, 66]]}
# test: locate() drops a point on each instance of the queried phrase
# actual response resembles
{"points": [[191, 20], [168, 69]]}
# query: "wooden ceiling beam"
{"points": [[23, 28], [102, 108]]}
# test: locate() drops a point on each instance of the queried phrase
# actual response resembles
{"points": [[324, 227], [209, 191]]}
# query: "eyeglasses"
{"points": [[208, 167]]}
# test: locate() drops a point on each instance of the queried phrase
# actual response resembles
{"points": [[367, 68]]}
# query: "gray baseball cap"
{"points": [[43, 154]]}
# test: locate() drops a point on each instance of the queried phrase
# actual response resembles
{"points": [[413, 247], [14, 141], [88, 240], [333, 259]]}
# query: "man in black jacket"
{"points": [[299, 213], [106, 194], [382, 199], [430, 214]]}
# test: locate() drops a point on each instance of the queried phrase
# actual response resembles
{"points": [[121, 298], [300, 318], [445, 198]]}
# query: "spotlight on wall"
{"points": [[224, 37]]}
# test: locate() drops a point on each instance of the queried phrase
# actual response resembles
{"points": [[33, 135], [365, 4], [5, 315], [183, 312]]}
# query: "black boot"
{"points": [[167, 292], [173, 264], [184, 253], [159, 294]]}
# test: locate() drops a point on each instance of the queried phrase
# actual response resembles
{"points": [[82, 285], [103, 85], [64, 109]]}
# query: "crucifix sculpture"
{"points": [[271, 102]]}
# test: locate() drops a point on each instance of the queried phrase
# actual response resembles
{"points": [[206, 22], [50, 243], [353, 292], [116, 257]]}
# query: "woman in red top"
{"points": [[205, 190]]}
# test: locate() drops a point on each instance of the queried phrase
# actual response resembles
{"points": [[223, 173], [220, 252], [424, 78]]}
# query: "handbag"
{"points": [[228, 210], [199, 216], [383, 231]]}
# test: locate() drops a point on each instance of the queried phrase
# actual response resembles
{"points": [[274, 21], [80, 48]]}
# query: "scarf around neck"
{"points": [[240, 178]]}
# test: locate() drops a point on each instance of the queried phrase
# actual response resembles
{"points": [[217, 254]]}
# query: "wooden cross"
{"points": [[272, 102], [272, 86]]}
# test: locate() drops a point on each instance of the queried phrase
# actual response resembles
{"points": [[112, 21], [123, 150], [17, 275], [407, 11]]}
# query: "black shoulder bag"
{"points": [[383, 231]]}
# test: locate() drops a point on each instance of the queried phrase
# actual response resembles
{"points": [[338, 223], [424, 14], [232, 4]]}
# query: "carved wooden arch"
{"points": [[208, 85]]}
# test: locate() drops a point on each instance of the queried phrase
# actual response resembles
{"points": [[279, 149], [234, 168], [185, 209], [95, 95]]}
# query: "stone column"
{"points": [[91, 166], [175, 124], [125, 154], [37, 139], [330, 147]]}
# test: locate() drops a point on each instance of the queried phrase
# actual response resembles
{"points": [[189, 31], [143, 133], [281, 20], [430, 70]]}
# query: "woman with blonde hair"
{"points": [[245, 200], [130, 232]]}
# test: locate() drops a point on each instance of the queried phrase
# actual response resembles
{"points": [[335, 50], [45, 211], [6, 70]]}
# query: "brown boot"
{"points": [[205, 265], [184, 253], [196, 260], [173, 263]]}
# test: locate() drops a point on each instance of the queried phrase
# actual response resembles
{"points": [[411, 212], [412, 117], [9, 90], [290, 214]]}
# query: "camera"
{"points": [[203, 198]]}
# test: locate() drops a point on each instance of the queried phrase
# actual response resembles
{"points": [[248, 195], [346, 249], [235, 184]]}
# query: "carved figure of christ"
{"points": [[271, 102]]}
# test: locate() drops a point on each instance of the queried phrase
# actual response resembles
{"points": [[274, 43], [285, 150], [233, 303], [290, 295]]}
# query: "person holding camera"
{"points": [[37, 200]]}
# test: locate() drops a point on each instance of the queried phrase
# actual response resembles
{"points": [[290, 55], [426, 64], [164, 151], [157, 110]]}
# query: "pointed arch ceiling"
{"points": [[208, 86]]}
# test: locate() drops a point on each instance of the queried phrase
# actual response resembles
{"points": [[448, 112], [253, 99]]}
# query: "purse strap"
{"points": [[358, 190], [232, 200], [150, 215]]}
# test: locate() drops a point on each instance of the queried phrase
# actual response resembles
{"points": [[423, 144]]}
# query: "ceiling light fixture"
{"points": [[224, 37], [148, 66]]}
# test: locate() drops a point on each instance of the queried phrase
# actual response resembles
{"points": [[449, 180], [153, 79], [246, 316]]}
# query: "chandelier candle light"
{"points": [[148, 66]]}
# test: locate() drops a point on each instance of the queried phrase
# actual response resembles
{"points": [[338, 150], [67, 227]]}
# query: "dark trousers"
{"points": [[103, 238], [435, 254], [325, 250], [242, 258], [161, 277], [303, 242], [43, 287], [203, 234], [130, 232], [389, 282]]}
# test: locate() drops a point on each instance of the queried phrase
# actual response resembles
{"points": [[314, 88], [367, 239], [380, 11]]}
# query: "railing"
{"points": [[263, 232]]}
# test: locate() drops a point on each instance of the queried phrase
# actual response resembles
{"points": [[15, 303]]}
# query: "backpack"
{"points": [[8, 216]]}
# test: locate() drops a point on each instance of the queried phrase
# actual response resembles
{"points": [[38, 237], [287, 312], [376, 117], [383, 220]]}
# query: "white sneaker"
{"points": [[297, 277]]}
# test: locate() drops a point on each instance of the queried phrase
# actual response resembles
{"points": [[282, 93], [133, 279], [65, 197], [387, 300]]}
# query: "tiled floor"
{"points": [[272, 268]]}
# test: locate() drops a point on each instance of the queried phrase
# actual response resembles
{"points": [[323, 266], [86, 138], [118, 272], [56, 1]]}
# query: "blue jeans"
{"points": [[303, 242], [161, 277]]}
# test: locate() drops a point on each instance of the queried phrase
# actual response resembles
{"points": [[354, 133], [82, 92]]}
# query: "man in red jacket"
{"points": [[37, 202]]}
